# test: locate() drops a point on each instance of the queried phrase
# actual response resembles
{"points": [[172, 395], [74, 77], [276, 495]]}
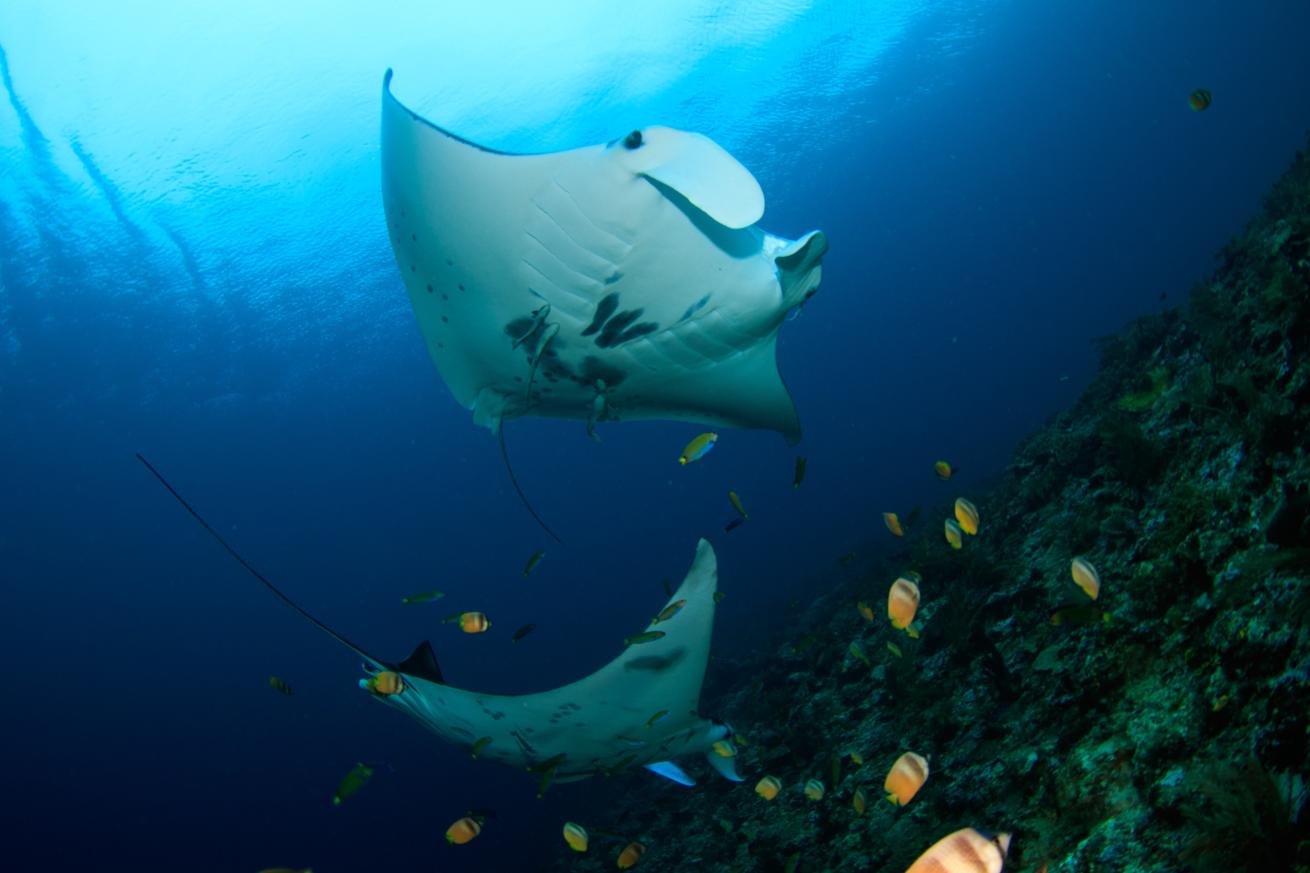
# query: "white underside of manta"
{"points": [[606, 723], [617, 281]]}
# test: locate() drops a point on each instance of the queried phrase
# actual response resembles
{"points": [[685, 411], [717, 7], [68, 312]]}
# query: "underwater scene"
{"points": [[780, 436]]}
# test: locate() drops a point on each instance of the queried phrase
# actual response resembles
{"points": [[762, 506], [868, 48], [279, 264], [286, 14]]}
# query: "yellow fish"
{"points": [[768, 787], [670, 611], [533, 562], [356, 779], [865, 610], [697, 449], [967, 515], [860, 801], [954, 535], [423, 597], [893, 522], [943, 470], [474, 622], [576, 836], [1085, 575], [724, 749], [647, 637], [814, 789], [463, 831], [736, 504], [279, 685]]}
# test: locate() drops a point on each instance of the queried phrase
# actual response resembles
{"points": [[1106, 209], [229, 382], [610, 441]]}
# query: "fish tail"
{"points": [[504, 454]]}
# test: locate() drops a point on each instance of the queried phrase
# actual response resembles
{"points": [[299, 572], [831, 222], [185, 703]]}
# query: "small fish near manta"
{"points": [[623, 281], [577, 730]]}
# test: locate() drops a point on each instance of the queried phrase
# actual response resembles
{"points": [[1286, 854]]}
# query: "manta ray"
{"points": [[639, 710], [614, 282]]}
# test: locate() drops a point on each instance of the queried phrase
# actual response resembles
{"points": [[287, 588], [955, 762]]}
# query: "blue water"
{"points": [[193, 265]]}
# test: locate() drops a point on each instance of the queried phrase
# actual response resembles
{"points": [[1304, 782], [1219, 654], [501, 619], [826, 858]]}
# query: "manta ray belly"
{"points": [[542, 282]]}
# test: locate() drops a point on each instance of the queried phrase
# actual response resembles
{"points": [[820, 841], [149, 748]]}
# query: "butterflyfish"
{"points": [[768, 787], [463, 831], [967, 515], [576, 836], [422, 597], [865, 610], [630, 855], [905, 778], [724, 749], [1085, 575], [356, 779], [670, 611], [737, 505], [1199, 100], [860, 801], [696, 449], [857, 651], [479, 746], [523, 632], [279, 685], [902, 604], [474, 622], [965, 851], [384, 683], [893, 522], [532, 563], [799, 475], [814, 789], [954, 535], [647, 637], [943, 470]]}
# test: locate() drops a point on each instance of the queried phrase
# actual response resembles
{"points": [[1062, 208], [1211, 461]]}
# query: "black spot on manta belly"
{"points": [[604, 309], [695, 307]]}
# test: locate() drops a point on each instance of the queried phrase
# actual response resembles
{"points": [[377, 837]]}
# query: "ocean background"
{"points": [[194, 266]]}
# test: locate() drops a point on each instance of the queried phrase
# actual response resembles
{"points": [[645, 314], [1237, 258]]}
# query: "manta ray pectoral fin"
{"points": [[699, 169], [727, 769], [672, 772], [798, 267], [422, 662]]}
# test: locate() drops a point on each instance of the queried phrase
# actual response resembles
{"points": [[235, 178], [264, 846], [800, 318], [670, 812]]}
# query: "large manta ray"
{"points": [[638, 710], [617, 281]]}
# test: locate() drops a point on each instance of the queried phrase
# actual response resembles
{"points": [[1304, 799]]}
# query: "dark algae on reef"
{"points": [[1161, 726]]}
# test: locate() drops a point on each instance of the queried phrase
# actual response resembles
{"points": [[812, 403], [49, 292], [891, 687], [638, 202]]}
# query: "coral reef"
{"points": [[1160, 728]]}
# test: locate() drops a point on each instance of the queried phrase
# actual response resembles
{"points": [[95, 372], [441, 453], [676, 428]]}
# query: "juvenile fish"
{"points": [[647, 637], [533, 562], [422, 597]]}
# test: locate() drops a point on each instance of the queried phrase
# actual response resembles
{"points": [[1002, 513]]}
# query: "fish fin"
{"points": [[891, 798], [504, 454], [422, 662], [671, 771], [726, 766]]}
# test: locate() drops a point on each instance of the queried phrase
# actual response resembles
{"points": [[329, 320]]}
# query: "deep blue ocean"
{"points": [[194, 265]]}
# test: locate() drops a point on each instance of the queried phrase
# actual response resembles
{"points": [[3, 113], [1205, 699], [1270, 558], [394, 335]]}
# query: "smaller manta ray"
{"points": [[600, 725]]}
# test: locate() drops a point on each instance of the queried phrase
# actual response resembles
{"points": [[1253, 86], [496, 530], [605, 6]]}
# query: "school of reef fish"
{"points": [[1098, 661]]}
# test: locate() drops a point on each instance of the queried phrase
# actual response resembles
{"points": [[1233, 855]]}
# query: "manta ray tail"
{"points": [[504, 454], [260, 576]]}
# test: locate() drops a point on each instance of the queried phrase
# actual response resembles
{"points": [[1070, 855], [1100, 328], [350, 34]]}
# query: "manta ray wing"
{"points": [[617, 281], [601, 723]]}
